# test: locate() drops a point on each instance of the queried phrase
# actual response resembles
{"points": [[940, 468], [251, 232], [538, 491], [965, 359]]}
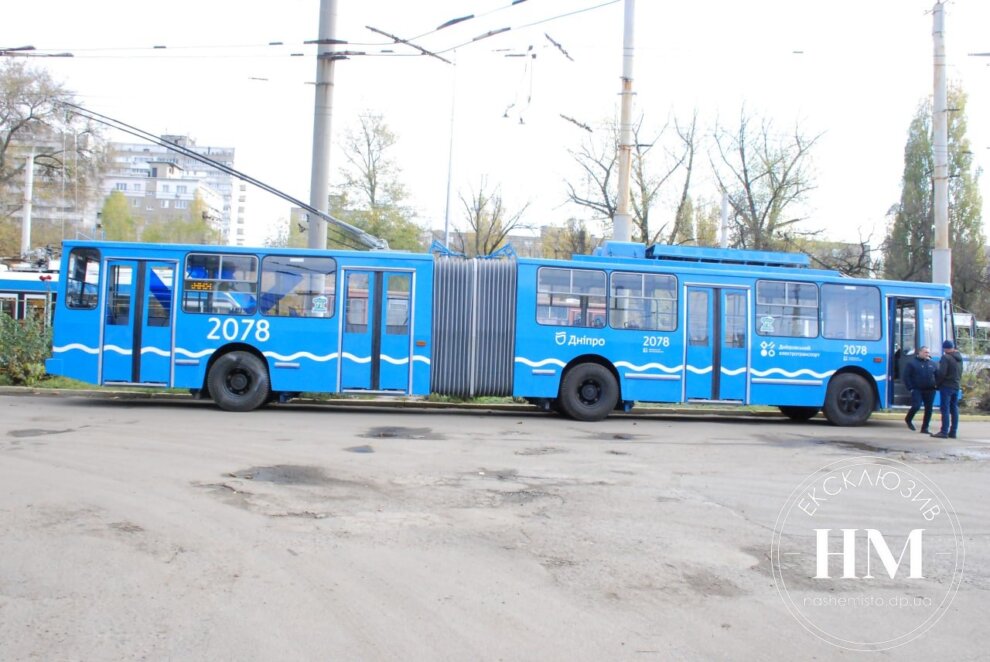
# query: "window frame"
{"points": [[331, 303], [785, 282], [675, 312], [98, 260], [550, 304], [219, 279], [879, 311]]}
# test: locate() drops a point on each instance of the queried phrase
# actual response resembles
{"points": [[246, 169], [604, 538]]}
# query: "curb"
{"points": [[388, 403]]}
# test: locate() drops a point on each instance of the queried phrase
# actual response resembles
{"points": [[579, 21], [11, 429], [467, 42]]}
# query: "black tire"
{"points": [[849, 400], [239, 382], [799, 413], [588, 392]]}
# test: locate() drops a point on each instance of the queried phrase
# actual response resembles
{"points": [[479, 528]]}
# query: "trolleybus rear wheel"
{"points": [[239, 382], [798, 413], [849, 400], [588, 392]]}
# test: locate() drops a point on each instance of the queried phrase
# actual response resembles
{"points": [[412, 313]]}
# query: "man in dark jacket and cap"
{"points": [[949, 380], [919, 378]]}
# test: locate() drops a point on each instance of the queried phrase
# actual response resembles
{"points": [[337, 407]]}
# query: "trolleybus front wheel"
{"points": [[588, 392], [239, 382], [849, 400]]}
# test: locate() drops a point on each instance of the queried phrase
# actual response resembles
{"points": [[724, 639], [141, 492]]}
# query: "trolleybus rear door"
{"points": [[375, 338], [716, 344], [137, 322]]}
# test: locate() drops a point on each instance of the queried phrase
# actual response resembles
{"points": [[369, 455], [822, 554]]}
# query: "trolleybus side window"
{"points": [[785, 308], [643, 301], [82, 286], [298, 286], [851, 312], [570, 297], [220, 284]]}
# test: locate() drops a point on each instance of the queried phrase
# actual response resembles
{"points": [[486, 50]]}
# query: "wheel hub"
{"points": [[238, 381], [589, 392]]}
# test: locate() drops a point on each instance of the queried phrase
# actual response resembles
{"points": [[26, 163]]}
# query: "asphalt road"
{"points": [[172, 530]]}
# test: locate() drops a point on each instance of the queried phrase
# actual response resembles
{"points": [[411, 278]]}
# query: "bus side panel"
{"points": [[796, 371], [75, 342]]}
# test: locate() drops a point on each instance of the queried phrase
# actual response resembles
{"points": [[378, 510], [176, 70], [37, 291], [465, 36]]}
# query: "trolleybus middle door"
{"points": [[137, 322], [716, 343], [375, 351]]}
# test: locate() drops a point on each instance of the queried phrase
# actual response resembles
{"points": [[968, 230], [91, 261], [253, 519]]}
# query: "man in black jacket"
{"points": [[949, 379], [919, 378]]}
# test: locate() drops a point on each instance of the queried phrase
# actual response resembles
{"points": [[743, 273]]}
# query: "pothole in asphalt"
{"points": [[392, 432], [542, 450], [35, 432], [286, 474]]}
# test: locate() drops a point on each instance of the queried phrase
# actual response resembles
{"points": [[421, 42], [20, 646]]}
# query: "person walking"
{"points": [[949, 379], [919, 378]]}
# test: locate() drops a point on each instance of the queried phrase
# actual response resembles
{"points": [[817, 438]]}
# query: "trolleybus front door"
{"points": [[914, 323], [137, 322], [716, 344], [375, 339]]}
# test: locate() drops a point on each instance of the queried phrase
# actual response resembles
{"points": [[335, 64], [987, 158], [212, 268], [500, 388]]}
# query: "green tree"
{"points": [[560, 242], [196, 228], [372, 196], [118, 222], [910, 238], [66, 148]]}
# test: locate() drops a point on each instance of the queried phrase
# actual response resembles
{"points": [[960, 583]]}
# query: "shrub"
{"points": [[24, 346], [976, 390]]}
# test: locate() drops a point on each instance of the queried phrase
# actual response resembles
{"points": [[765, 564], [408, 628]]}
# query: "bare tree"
{"points": [[33, 120], [372, 196], [372, 173], [650, 173], [765, 177], [488, 220], [570, 238]]}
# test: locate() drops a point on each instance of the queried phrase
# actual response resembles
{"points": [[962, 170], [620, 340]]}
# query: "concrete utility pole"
{"points": [[622, 221], [26, 208], [941, 253], [319, 186]]}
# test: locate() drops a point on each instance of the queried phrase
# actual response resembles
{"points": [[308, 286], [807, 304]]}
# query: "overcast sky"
{"points": [[855, 72]]}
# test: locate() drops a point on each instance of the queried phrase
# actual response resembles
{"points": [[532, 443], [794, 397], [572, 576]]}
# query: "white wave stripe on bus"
{"points": [[539, 364], [648, 366], [733, 373], [797, 373], [301, 355], [76, 346], [156, 351], [699, 371], [194, 355], [117, 350]]}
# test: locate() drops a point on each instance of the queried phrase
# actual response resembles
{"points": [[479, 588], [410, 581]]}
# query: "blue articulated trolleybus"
{"points": [[584, 337]]}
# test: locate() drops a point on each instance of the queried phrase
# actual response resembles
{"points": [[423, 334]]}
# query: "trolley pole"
{"points": [[941, 253], [319, 187], [622, 220]]}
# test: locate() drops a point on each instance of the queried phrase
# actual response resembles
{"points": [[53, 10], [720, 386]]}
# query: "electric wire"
{"points": [[338, 225]]}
